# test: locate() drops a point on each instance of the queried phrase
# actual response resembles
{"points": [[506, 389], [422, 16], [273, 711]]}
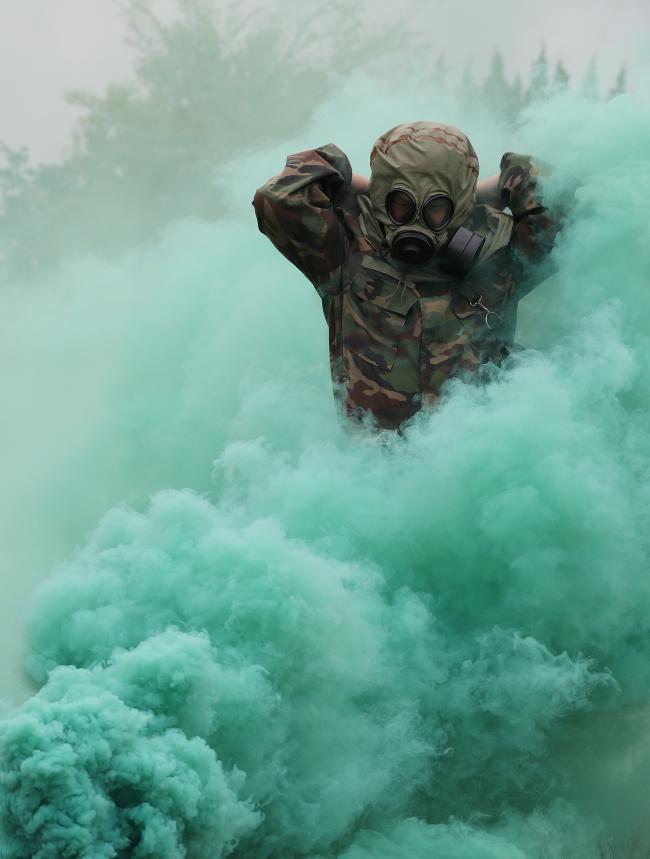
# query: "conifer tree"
{"points": [[468, 90], [590, 82], [440, 72], [517, 96], [560, 78], [620, 85], [539, 84], [496, 92]]}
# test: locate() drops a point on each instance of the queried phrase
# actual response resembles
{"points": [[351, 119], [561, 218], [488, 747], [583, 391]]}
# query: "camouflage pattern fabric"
{"points": [[395, 335]]}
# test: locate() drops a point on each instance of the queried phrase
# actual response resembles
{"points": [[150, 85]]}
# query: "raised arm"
{"points": [[296, 210], [535, 226], [487, 192]]}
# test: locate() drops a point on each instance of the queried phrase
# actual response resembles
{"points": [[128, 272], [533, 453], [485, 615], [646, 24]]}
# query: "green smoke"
{"points": [[286, 640]]}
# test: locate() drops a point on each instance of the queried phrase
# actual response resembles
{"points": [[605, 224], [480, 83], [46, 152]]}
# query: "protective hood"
{"points": [[423, 158]]}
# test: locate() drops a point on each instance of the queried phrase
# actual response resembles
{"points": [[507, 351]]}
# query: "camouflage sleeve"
{"points": [[535, 226], [296, 210]]}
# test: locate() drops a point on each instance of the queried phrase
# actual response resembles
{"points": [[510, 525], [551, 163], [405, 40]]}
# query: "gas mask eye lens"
{"points": [[400, 206], [437, 212]]}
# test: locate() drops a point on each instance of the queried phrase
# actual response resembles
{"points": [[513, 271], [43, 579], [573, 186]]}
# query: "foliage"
{"points": [[148, 151], [206, 86]]}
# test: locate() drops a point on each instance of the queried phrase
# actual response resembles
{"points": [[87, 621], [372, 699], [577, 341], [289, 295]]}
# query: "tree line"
{"points": [[203, 89], [508, 99]]}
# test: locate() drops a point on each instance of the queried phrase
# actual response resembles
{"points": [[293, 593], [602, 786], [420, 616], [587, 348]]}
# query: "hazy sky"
{"points": [[49, 46]]}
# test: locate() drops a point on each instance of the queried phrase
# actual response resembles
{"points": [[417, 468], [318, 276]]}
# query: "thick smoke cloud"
{"points": [[114, 767], [318, 643]]}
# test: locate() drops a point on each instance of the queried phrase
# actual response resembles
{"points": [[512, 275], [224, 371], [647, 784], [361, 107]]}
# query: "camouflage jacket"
{"points": [[394, 338]]}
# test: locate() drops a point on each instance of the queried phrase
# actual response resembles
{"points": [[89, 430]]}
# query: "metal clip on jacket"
{"points": [[477, 301]]}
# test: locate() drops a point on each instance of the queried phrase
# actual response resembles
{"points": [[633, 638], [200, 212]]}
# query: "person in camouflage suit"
{"points": [[405, 314]]}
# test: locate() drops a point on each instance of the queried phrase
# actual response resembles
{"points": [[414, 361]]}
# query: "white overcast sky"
{"points": [[49, 46]]}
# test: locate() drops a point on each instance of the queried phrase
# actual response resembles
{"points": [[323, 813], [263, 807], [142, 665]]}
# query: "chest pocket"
{"points": [[375, 307]]}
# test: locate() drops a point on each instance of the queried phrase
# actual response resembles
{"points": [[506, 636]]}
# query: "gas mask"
{"points": [[419, 224], [422, 193]]}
